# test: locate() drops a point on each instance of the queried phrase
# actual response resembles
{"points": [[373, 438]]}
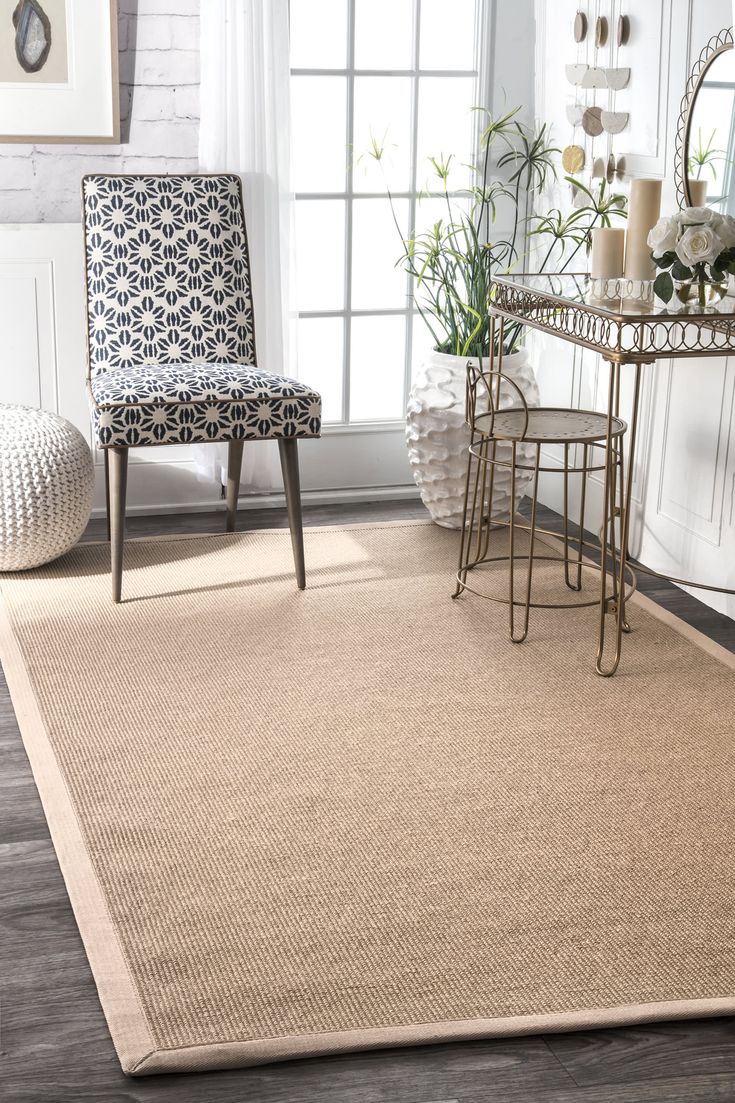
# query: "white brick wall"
{"points": [[159, 105]]}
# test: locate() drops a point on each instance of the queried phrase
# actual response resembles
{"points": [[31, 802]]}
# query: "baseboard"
{"points": [[346, 496]]}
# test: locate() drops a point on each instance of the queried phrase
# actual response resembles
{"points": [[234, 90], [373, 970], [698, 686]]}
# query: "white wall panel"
{"points": [[20, 380], [683, 520]]}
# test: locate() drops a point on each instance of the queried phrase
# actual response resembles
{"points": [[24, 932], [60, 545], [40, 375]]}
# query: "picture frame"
{"points": [[59, 74]]}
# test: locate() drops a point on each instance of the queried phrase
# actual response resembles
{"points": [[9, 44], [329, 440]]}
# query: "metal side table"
{"points": [[625, 332]]}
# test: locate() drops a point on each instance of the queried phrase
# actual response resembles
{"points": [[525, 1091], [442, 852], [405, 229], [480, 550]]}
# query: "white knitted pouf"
{"points": [[46, 484]]}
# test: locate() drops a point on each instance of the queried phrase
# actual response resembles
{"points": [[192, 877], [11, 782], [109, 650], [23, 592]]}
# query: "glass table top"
{"points": [[618, 298]]}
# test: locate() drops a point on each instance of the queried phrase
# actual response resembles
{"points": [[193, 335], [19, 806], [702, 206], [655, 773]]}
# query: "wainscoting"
{"points": [[684, 490], [42, 320]]}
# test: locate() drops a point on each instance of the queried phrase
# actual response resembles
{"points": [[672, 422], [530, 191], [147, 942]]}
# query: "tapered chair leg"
{"points": [[118, 478], [107, 490], [288, 450], [234, 467]]}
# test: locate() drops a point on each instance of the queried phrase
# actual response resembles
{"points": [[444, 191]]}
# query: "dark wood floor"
{"points": [[56, 1048]]}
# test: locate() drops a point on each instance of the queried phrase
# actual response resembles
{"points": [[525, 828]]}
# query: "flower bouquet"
{"points": [[695, 250]]}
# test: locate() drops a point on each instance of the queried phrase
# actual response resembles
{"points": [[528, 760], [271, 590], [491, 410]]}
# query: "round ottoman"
{"points": [[46, 484]]}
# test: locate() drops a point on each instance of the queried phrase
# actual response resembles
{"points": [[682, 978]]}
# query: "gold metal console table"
{"points": [[625, 332]]}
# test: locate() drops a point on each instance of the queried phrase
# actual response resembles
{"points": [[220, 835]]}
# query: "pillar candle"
{"points": [[608, 246], [644, 208], [697, 193]]}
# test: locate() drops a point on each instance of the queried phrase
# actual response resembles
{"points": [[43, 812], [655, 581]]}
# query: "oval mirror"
{"points": [[705, 162]]}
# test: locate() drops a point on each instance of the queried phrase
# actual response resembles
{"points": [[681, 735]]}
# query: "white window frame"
{"points": [[482, 73]]}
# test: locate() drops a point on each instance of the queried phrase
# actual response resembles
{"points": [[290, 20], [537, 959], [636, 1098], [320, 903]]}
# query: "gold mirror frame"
{"points": [[717, 45]]}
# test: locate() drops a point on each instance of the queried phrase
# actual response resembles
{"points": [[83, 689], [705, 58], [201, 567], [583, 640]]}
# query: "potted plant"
{"points": [[453, 264]]}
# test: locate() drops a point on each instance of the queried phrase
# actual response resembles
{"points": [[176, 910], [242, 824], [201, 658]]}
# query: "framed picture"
{"points": [[58, 71]]}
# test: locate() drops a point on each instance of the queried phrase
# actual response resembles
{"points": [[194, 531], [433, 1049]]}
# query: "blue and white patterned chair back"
{"points": [[168, 279]]}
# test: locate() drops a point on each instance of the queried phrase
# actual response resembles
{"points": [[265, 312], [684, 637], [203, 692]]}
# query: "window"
{"points": [[406, 73], [714, 140]]}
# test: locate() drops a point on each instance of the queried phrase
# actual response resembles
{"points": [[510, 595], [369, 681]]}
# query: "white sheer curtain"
{"points": [[245, 129]]}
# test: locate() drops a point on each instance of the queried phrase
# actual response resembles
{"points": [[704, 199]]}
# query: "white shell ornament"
{"points": [[576, 74], [596, 78], [614, 121], [580, 27], [598, 168], [575, 113], [616, 78], [601, 31]]}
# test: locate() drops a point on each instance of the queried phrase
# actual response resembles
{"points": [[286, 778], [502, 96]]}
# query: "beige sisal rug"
{"points": [[297, 823]]}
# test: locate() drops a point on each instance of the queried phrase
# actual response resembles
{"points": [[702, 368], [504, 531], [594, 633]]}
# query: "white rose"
{"points": [[697, 214], [699, 245], [663, 237], [725, 229]]}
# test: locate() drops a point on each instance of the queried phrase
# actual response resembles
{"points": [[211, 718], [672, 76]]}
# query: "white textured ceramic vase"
{"points": [[438, 436]]}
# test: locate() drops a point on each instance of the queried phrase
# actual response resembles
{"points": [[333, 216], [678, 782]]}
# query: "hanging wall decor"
{"points": [[576, 73], [580, 27], [602, 29], [59, 71], [617, 78], [615, 169], [623, 30], [594, 78], [613, 122], [573, 159], [598, 168], [592, 121], [575, 113]]}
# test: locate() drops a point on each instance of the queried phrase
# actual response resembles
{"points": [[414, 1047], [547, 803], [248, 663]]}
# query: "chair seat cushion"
{"points": [[191, 403]]}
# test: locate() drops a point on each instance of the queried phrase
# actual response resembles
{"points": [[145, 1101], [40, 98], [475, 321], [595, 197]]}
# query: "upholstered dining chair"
{"points": [[171, 337]]}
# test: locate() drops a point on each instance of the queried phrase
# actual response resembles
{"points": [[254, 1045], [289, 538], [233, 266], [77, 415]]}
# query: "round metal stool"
{"points": [[497, 437]]}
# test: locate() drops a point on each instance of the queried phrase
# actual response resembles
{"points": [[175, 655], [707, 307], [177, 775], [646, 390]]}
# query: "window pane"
{"points": [[382, 111], [376, 246], [378, 352], [318, 38], [320, 254], [446, 126], [447, 39], [422, 343], [319, 106], [320, 353], [383, 34], [430, 210]]}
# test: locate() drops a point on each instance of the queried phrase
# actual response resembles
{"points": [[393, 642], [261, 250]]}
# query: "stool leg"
{"points": [[582, 504], [118, 490], [468, 526], [511, 544], [567, 564], [482, 552], [465, 536], [531, 546]]}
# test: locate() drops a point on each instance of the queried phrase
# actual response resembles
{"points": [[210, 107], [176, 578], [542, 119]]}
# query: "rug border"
{"points": [[129, 1029], [131, 1034]]}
